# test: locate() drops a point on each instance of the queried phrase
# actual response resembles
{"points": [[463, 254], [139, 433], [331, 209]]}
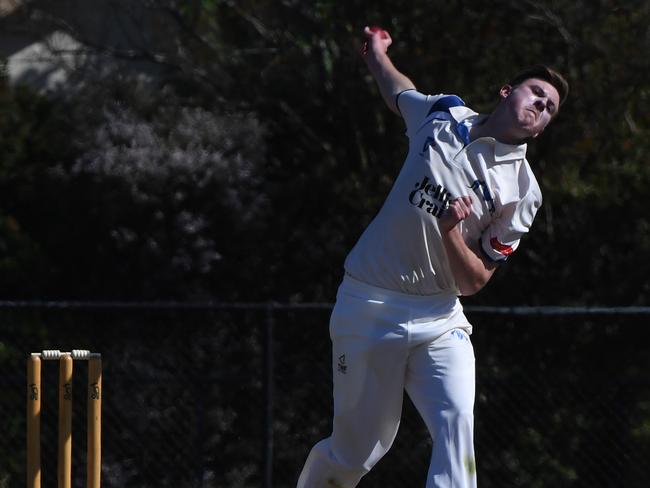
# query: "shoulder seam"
{"points": [[397, 99]]}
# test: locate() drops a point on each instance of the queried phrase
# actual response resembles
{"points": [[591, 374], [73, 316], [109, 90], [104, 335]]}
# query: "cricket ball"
{"points": [[384, 34]]}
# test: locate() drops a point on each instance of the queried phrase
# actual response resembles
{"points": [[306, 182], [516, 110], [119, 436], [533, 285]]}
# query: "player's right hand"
{"points": [[377, 40]]}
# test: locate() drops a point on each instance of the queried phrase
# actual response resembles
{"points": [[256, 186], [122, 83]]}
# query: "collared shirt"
{"points": [[402, 249]]}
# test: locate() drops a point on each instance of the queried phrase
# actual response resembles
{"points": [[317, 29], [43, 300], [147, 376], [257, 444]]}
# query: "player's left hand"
{"points": [[458, 210]]}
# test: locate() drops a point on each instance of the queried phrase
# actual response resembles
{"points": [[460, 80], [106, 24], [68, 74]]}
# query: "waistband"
{"points": [[351, 284]]}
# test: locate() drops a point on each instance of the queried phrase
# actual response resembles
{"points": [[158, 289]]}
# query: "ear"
{"points": [[505, 91]]}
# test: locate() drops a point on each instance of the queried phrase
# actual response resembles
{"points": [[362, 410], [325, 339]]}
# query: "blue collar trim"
{"points": [[463, 132]]}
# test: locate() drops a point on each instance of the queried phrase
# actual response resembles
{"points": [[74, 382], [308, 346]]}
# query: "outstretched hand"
{"points": [[458, 210], [377, 40]]}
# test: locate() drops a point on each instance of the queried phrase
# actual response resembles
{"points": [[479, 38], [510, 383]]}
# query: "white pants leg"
{"points": [[377, 352], [441, 384], [369, 353]]}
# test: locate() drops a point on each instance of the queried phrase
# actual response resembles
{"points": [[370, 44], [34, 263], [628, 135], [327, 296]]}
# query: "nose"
{"points": [[540, 104]]}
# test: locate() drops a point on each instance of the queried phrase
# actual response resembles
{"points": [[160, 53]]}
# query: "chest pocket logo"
{"points": [[482, 190]]}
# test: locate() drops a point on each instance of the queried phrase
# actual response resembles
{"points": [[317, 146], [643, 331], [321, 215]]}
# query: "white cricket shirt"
{"points": [[402, 249]]}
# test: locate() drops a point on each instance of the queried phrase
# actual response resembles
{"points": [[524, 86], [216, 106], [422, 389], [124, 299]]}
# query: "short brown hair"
{"points": [[545, 73]]}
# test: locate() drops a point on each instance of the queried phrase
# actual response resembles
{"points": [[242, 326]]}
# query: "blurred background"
{"points": [[180, 183]]}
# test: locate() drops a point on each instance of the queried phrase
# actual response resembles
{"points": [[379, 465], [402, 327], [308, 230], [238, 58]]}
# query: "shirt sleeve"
{"points": [[415, 107], [503, 235]]}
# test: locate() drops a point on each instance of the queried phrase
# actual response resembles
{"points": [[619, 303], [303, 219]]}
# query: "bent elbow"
{"points": [[469, 290], [472, 287]]}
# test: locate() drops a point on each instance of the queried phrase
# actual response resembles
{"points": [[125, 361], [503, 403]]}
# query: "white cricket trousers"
{"points": [[383, 343]]}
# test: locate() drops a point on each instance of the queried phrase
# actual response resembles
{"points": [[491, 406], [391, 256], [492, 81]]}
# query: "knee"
{"points": [[460, 417], [327, 467], [357, 457], [464, 414], [359, 449]]}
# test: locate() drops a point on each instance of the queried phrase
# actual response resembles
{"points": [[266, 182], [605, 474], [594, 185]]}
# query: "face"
{"points": [[531, 106]]}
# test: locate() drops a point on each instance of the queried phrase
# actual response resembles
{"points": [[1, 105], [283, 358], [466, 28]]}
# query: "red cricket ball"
{"points": [[384, 34]]}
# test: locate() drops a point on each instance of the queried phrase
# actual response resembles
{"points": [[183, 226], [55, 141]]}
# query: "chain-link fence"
{"points": [[235, 396]]}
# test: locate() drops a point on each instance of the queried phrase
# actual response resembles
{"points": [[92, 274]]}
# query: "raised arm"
{"points": [[389, 80]]}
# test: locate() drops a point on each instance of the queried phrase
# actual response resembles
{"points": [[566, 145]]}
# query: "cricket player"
{"points": [[464, 198]]}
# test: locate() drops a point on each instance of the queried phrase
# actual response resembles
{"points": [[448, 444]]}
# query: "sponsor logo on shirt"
{"points": [[430, 197]]}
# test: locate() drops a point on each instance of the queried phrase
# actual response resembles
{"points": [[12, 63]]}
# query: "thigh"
{"points": [[440, 377], [369, 354]]}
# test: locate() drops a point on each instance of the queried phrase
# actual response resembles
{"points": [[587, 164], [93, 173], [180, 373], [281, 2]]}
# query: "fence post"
{"points": [[268, 396]]}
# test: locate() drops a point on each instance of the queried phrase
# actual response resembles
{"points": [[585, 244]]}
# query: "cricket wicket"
{"points": [[65, 416]]}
